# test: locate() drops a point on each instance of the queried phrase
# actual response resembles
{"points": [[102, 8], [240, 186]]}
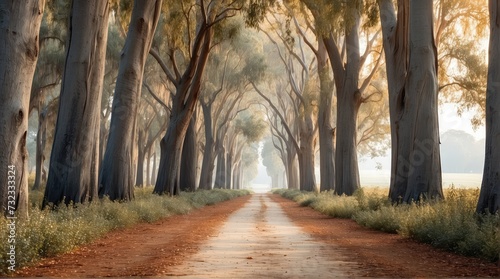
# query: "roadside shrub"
{"points": [[386, 219], [335, 206], [450, 224]]}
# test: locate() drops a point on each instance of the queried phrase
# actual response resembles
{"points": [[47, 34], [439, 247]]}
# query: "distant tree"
{"points": [[489, 198], [19, 49], [273, 162], [48, 75], [300, 76]]}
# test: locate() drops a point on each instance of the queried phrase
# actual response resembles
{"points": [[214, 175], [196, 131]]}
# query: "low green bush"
{"points": [[450, 224], [47, 233]]}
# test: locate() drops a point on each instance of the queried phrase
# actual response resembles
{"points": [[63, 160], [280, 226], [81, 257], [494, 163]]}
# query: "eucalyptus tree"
{"points": [[47, 77], [411, 63], [221, 90], [489, 198], [462, 65], [272, 159], [248, 128], [228, 114], [351, 92], [284, 141], [73, 171], [19, 50], [300, 70], [117, 177], [191, 27]]}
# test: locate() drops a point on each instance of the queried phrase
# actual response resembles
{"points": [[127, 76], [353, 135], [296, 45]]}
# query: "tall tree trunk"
{"points": [[348, 102], [117, 177], [41, 139], [155, 171], [489, 198], [306, 154], [207, 165], [19, 49], [236, 174], [103, 139], [71, 175], [229, 170], [220, 174], [189, 160], [182, 111], [148, 167], [419, 121], [141, 155], [326, 131], [291, 169], [395, 34]]}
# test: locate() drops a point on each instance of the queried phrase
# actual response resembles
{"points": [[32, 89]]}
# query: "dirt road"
{"points": [[260, 241], [262, 236]]}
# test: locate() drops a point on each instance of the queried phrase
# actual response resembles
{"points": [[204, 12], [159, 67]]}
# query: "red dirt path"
{"points": [[152, 249], [385, 255]]}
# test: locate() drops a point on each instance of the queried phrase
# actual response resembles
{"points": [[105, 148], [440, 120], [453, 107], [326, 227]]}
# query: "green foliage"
{"points": [[450, 224], [48, 233], [256, 10], [255, 68], [252, 126]]}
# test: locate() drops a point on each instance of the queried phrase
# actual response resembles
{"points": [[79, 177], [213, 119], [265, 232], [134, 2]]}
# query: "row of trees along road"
{"points": [[191, 84]]}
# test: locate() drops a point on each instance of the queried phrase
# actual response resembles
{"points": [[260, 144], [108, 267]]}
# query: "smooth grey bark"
{"points": [[207, 165], [141, 156], [395, 34], [154, 172], [306, 154], [419, 121], [148, 167], [292, 171], [232, 154], [189, 160], [117, 176], [72, 172], [229, 170], [19, 49], [236, 176], [220, 173], [489, 197], [411, 57], [325, 129], [41, 140]]}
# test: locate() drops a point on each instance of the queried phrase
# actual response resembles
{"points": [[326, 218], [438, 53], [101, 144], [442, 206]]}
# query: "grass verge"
{"points": [[48, 233], [451, 224]]}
